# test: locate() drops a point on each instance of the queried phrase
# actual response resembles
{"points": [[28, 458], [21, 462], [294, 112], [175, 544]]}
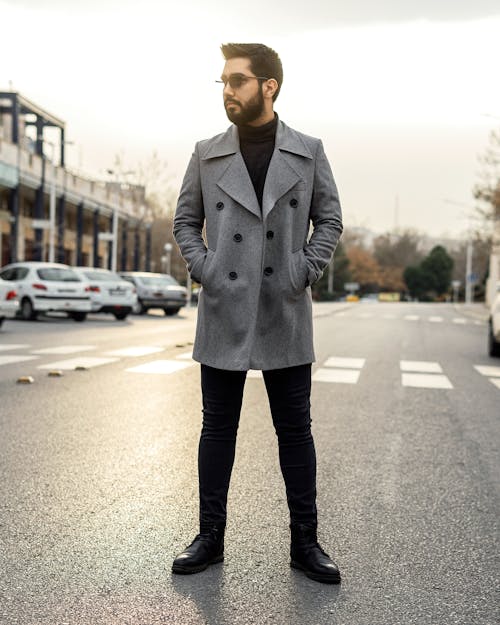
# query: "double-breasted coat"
{"points": [[257, 264]]}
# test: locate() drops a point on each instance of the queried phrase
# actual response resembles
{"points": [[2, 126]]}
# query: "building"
{"points": [[48, 212]]}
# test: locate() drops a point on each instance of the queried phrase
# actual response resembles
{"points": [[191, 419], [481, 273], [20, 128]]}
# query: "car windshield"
{"points": [[57, 274], [102, 276], [158, 280]]}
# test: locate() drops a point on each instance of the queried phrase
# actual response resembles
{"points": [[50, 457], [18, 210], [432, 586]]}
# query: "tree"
{"points": [[415, 281], [398, 249], [437, 267], [488, 190], [363, 268]]}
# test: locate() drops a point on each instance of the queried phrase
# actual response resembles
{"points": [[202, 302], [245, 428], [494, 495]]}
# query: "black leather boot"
{"points": [[308, 556], [207, 548]]}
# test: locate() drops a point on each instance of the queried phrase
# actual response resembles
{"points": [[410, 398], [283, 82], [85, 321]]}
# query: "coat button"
{"points": [[237, 237], [268, 271], [293, 203], [270, 234], [233, 275], [219, 206]]}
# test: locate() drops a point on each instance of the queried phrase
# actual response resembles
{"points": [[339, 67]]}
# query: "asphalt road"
{"points": [[99, 491]]}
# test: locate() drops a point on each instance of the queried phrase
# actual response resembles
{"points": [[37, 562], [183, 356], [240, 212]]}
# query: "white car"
{"points": [[109, 293], [9, 302], [494, 327], [48, 287]]}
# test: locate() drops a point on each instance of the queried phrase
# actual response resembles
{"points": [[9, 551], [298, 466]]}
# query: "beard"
{"points": [[246, 113]]}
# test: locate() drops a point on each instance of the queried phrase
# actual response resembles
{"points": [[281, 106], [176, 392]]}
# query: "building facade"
{"points": [[48, 212]]}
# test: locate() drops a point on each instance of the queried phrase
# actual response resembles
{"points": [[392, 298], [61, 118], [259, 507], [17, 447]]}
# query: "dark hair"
{"points": [[264, 61]]}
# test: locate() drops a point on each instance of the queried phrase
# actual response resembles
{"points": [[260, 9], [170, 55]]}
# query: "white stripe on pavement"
{"points": [[495, 381], [6, 347], [435, 319], [64, 349], [186, 356], [459, 320], [10, 359], [411, 317], [162, 367], [424, 380], [85, 361], [389, 316], [341, 376], [135, 351], [420, 366], [494, 372], [347, 363]]}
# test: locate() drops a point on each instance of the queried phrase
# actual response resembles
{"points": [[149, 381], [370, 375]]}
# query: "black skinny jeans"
{"points": [[289, 393]]}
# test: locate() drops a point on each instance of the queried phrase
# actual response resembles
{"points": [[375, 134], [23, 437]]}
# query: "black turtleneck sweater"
{"points": [[257, 146]]}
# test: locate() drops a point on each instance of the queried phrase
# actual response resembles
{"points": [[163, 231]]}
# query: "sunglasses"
{"points": [[238, 80]]}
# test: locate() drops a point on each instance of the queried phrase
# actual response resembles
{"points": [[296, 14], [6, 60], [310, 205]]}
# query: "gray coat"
{"points": [[257, 266]]}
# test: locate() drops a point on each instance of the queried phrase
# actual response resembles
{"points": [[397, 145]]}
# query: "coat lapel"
{"points": [[281, 175]]}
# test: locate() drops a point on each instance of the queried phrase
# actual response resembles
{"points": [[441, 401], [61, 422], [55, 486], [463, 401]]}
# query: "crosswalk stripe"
{"points": [[12, 358], [495, 381], [186, 356], [254, 373], [494, 372], [135, 351], [459, 320], [420, 366], [425, 380], [6, 347], [84, 361], [411, 317], [435, 319], [345, 363], [64, 349], [342, 376], [162, 367]]}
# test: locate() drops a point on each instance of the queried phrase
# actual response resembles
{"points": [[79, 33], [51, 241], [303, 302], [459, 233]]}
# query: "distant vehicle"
{"points": [[9, 302], [109, 292], [48, 287], [156, 290], [369, 297], [494, 327]]}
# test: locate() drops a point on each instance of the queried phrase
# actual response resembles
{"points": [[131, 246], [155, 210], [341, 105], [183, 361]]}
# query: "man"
{"points": [[256, 188]]}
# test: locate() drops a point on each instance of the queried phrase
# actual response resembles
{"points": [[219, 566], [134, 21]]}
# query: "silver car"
{"points": [[156, 290], [109, 292], [494, 326]]}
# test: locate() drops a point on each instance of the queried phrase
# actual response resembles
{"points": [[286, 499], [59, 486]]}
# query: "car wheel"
{"points": [[493, 346], [141, 309], [120, 315], [78, 316], [1, 321], [28, 313], [171, 311]]}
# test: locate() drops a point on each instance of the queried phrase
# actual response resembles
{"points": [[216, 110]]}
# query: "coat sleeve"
{"points": [[189, 219], [326, 217]]}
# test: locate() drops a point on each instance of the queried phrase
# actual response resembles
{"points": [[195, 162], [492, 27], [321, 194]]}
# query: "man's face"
{"points": [[245, 102]]}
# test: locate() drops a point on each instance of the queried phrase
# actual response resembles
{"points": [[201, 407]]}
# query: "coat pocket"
{"points": [[205, 272], [298, 271]]}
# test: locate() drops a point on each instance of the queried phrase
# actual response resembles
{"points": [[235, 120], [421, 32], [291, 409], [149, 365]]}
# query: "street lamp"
{"points": [[114, 237], [168, 256]]}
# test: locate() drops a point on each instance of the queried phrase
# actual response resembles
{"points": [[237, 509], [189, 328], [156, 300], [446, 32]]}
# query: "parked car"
{"points": [[9, 302], [156, 290], [109, 292], [46, 287], [494, 327]]}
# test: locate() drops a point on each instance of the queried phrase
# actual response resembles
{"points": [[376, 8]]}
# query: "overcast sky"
{"points": [[397, 90]]}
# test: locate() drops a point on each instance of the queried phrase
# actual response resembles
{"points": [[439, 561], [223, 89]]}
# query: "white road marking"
{"points": [[254, 373], [494, 372], [65, 349], [84, 361], [341, 314], [459, 320], [411, 317], [436, 319], [10, 359], [347, 363], [6, 347], [163, 367], [135, 351], [420, 366], [424, 380], [389, 316], [479, 323], [186, 356], [341, 376], [495, 381]]}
